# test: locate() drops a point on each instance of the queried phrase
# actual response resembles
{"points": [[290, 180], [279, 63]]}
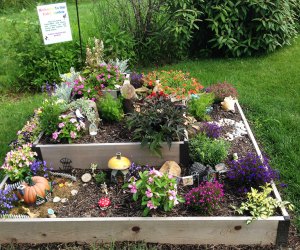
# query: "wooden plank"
{"points": [[173, 230], [82, 155]]}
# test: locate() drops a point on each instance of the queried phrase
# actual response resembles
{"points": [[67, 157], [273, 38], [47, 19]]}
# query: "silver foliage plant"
{"points": [[121, 64]]}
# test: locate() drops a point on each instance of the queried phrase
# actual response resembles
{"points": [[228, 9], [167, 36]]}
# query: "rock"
{"points": [[228, 104], [171, 167], [220, 167], [86, 177], [64, 200], [74, 192], [56, 199]]}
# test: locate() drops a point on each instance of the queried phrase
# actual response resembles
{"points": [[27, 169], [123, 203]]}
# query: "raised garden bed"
{"points": [[176, 230]]}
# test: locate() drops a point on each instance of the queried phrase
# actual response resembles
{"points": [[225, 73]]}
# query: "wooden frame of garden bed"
{"points": [[175, 230]]}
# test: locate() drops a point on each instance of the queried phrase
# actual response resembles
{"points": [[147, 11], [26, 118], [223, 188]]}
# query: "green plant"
{"points": [[49, 117], [208, 151], [154, 190], [100, 177], [222, 90], [17, 162], [110, 109], [260, 204], [197, 106], [159, 120], [238, 28]]}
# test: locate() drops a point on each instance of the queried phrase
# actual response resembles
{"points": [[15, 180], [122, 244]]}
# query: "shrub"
{"points": [[100, 177], [205, 198], [174, 82], [197, 106], [110, 109], [238, 28], [17, 162], [159, 120], [222, 90], [250, 171], [208, 151], [49, 117], [261, 204], [7, 200], [211, 129], [154, 190]]}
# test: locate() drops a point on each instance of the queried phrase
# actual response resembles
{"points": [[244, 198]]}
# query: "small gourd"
{"points": [[33, 188]]}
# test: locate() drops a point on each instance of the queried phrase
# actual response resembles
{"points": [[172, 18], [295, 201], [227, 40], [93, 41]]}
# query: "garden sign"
{"points": [[55, 23]]}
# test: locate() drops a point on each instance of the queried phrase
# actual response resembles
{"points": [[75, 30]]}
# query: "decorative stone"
{"points": [[220, 167], [235, 156], [51, 213], [74, 192], [171, 167], [86, 177], [228, 104], [64, 200], [56, 199]]}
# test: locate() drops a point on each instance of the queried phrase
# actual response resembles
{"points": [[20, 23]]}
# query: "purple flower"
{"points": [[55, 135]]}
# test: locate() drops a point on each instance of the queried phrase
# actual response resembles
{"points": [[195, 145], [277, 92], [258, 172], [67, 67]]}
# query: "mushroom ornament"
{"points": [[104, 203]]}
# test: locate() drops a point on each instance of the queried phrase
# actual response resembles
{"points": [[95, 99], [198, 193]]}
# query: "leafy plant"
{"points": [[155, 190], [68, 128], [260, 204], [110, 109], [122, 65], [205, 198], [208, 151], [238, 28], [7, 200], [211, 129], [17, 162], [100, 177], [222, 90], [159, 120], [175, 83], [250, 171], [49, 117], [197, 106]]}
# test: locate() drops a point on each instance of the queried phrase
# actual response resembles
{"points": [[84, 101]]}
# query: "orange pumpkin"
{"points": [[32, 188]]}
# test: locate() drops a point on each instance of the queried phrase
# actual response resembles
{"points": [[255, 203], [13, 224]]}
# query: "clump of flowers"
{"points": [[210, 129], [155, 190], [40, 168], [69, 128], [205, 198], [175, 83], [222, 90], [135, 169], [7, 199], [49, 88], [136, 80], [17, 162], [250, 171]]}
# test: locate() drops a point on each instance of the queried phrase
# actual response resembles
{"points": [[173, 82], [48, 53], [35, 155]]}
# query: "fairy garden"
{"points": [[221, 173]]}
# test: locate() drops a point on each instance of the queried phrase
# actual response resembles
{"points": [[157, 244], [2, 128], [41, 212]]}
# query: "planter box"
{"points": [[174, 230]]}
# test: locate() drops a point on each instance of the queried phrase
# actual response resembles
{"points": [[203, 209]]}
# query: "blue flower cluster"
{"points": [[39, 168], [7, 198], [212, 130], [134, 170], [250, 171]]}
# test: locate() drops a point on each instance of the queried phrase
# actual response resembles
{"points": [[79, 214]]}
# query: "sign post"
{"points": [[55, 24]]}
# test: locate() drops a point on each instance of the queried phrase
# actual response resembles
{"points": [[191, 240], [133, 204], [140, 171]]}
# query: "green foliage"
{"points": [[261, 204], [198, 105], [238, 28], [100, 177], [38, 63], [49, 118], [154, 190], [208, 151], [158, 121], [110, 109]]}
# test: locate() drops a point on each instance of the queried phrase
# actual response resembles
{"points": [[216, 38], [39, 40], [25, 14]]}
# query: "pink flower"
{"points": [[172, 194], [73, 134], [150, 205], [55, 135], [79, 92], [150, 180], [170, 176], [78, 128], [133, 188], [88, 90], [61, 125], [108, 76], [148, 193], [72, 120]]}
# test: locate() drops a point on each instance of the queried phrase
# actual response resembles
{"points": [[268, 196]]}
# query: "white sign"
{"points": [[55, 24]]}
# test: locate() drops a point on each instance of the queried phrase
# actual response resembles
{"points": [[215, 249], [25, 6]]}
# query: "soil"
{"points": [[84, 204]]}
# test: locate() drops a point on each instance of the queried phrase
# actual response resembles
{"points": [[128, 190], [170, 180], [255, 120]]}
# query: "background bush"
{"points": [[237, 28]]}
